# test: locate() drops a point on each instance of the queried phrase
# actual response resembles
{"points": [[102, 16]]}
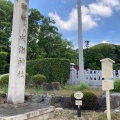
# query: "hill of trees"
{"points": [[93, 55]]}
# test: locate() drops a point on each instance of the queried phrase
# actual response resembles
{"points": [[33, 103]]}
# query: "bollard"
{"points": [[79, 111]]}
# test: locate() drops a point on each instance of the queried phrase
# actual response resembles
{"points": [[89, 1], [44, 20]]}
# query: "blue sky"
{"points": [[100, 19]]}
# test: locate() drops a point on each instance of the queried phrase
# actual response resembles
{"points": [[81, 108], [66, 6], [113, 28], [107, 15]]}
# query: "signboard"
{"points": [[78, 95], [78, 102], [107, 68], [107, 84]]}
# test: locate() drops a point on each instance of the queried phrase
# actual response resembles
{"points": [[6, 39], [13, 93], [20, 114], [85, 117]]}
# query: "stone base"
{"points": [[26, 113]]}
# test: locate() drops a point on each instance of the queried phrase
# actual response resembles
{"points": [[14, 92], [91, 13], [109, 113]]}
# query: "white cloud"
{"points": [[104, 41], [100, 10], [90, 15], [111, 3], [72, 22], [87, 22]]}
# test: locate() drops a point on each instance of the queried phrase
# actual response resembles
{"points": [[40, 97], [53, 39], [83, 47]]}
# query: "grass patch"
{"points": [[67, 90], [35, 91]]}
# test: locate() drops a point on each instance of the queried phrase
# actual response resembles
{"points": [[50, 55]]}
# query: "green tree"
{"points": [[93, 55], [6, 12], [44, 40]]}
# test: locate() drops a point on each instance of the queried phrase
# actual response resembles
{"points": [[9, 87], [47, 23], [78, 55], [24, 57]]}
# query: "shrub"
{"points": [[90, 101], [117, 85], [83, 86], [38, 80], [51, 86], [53, 68], [47, 86], [56, 85], [4, 80]]}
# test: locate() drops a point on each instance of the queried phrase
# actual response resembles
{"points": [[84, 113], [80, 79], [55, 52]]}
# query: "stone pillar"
{"points": [[17, 72]]}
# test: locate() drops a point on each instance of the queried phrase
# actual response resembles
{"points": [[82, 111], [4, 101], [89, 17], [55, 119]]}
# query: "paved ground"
{"points": [[10, 110]]}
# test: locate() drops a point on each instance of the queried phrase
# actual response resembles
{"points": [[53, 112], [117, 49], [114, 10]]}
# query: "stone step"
{"points": [[28, 112]]}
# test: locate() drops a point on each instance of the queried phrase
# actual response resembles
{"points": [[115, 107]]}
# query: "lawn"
{"points": [[66, 90]]}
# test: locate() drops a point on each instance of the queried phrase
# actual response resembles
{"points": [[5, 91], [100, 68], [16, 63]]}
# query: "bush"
{"points": [[89, 101], [51, 86], [117, 85], [38, 80], [55, 70], [56, 85], [4, 80], [83, 86]]}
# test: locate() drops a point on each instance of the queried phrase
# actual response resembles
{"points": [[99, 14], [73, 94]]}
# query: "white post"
{"points": [[108, 104], [80, 44], [107, 84], [18, 52]]}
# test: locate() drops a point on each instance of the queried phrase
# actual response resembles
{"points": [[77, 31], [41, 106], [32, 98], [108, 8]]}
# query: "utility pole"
{"points": [[80, 44]]}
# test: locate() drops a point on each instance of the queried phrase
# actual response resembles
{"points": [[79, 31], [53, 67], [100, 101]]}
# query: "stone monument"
{"points": [[18, 52]]}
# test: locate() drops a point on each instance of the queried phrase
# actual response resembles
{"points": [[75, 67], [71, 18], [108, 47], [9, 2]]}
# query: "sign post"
{"points": [[107, 83], [78, 95]]}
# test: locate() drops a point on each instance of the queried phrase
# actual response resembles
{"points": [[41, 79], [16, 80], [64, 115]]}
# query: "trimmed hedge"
{"points": [[3, 56], [54, 69]]}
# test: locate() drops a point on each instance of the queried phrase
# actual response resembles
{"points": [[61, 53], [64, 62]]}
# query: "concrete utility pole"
{"points": [[80, 44]]}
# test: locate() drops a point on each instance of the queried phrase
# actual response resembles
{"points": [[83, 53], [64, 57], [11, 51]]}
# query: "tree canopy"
{"points": [[93, 55], [45, 41], [6, 11]]}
